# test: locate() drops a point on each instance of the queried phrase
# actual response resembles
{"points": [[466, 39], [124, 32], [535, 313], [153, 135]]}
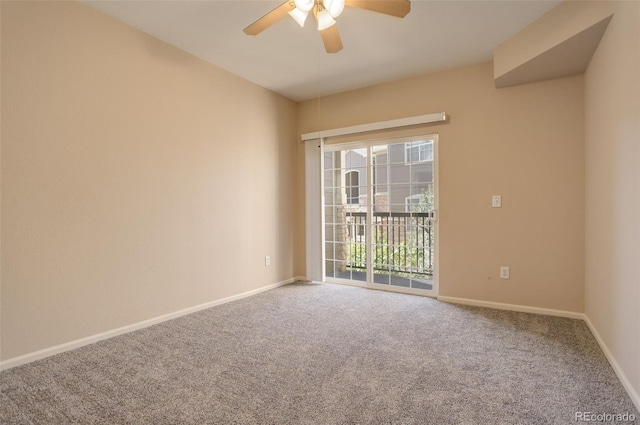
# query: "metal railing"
{"points": [[402, 243]]}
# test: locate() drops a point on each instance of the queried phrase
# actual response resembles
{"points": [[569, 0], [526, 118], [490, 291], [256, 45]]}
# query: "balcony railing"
{"points": [[402, 243]]}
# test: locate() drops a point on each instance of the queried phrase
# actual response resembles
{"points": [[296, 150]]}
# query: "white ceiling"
{"points": [[290, 60]]}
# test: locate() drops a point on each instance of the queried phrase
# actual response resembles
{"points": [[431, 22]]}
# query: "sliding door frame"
{"points": [[368, 144]]}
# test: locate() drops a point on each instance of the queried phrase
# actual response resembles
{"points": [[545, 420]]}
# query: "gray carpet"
{"points": [[325, 354]]}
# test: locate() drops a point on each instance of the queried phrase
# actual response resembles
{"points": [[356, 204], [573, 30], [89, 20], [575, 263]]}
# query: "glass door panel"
{"points": [[402, 222], [345, 200]]}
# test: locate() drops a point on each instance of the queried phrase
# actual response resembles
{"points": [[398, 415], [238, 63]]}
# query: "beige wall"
{"points": [[524, 143], [137, 180], [612, 99]]}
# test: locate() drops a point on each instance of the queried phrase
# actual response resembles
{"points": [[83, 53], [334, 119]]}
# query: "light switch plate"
{"points": [[496, 201]]}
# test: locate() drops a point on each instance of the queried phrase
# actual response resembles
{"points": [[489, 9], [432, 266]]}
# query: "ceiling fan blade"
{"points": [[399, 8], [269, 19], [331, 39], [330, 36]]}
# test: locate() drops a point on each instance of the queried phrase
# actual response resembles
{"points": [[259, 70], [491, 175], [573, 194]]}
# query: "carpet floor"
{"points": [[326, 354]]}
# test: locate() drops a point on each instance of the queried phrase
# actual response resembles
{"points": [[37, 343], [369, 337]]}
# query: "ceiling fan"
{"points": [[325, 12]]}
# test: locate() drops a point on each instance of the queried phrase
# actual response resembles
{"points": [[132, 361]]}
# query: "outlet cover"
{"points": [[504, 272]]}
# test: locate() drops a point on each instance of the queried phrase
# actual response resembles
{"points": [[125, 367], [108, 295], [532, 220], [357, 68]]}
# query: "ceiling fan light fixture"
{"points": [[325, 20], [299, 16], [335, 7], [305, 5], [325, 12]]}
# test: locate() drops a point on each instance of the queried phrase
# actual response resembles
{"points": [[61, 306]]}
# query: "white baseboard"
{"points": [[47, 352], [633, 393], [301, 279], [513, 307]]}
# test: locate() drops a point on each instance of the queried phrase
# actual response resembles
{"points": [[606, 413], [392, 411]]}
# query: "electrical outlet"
{"points": [[267, 261], [504, 272], [496, 201]]}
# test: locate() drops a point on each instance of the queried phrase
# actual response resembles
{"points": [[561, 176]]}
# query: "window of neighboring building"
{"points": [[352, 183], [419, 151], [411, 202]]}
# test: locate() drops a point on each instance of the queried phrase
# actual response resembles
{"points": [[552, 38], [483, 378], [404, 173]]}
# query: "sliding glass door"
{"points": [[379, 214]]}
